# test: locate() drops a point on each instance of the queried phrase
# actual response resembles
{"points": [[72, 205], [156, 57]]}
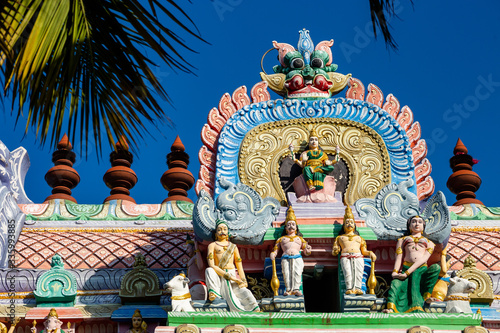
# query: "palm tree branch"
{"points": [[380, 11], [81, 65]]}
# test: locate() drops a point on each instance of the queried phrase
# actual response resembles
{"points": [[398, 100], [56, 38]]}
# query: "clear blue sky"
{"points": [[446, 71]]}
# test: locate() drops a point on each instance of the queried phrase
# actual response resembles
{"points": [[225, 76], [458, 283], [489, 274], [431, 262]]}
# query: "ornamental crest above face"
{"points": [[306, 72]]}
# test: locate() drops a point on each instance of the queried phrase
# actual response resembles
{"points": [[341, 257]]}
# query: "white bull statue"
{"points": [[457, 300], [178, 286]]}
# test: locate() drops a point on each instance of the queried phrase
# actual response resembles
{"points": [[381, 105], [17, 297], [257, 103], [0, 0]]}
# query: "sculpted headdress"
{"points": [[313, 133], [137, 313], [53, 313], [348, 213], [290, 215]]}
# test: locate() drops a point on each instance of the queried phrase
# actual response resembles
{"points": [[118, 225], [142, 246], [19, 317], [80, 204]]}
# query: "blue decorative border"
{"points": [[252, 115]]}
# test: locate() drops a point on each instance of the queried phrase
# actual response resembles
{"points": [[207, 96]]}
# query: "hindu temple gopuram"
{"points": [[316, 212]]}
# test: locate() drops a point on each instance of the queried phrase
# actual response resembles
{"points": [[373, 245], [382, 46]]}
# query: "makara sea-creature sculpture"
{"points": [[388, 213], [248, 216]]}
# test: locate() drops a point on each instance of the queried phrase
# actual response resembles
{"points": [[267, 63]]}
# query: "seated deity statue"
{"points": [[292, 265], [225, 276], [314, 163], [138, 325], [52, 324], [352, 248], [413, 281]]}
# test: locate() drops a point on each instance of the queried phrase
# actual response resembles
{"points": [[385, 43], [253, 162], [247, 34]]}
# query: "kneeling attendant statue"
{"points": [[352, 248], [292, 265], [412, 280], [225, 276]]}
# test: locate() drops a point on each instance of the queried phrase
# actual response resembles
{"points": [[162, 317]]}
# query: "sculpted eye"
{"points": [[317, 62], [297, 63]]}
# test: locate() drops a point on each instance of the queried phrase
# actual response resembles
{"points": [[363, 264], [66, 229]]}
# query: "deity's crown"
{"points": [[348, 213], [53, 313], [313, 133], [183, 275], [137, 313], [290, 215]]}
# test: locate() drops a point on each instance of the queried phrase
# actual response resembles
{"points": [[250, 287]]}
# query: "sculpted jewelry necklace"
{"points": [[351, 237], [315, 153], [223, 246], [416, 239]]}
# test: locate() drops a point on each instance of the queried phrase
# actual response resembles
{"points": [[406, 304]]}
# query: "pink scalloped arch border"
{"points": [[229, 104]]}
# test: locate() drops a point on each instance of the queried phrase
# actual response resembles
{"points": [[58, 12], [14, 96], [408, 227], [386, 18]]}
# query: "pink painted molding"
{"points": [[422, 170], [375, 95], [34, 209], [456, 209], [240, 97], [391, 105], [133, 209], [356, 89], [259, 92], [404, 116], [207, 158]]}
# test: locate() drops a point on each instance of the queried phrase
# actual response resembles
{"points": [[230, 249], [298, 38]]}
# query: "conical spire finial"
{"points": [[177, 180], [463, 182], [177, 145], [120, 178], [64, 143], [122, 144], [460, 148], [62, 177]]}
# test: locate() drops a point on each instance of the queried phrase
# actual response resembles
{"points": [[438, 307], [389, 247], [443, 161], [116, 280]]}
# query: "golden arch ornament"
{"points": [[264, 147]]}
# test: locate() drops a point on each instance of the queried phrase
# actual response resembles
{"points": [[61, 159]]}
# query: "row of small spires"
{"points": [[120, 178]]}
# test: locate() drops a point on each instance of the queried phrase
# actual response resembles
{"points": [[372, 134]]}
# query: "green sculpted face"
{"points": [[306, 69]]}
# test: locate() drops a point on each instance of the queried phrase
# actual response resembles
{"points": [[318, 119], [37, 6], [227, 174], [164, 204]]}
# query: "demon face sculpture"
{"points": [[306, 72]]}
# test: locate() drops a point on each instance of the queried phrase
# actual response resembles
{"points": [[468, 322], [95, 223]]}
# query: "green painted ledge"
{"points": [[444, 321], [320, 231]]}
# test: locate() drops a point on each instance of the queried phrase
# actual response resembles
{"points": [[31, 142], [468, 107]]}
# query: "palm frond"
{"points": [[80, 66], [381, 11]]}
